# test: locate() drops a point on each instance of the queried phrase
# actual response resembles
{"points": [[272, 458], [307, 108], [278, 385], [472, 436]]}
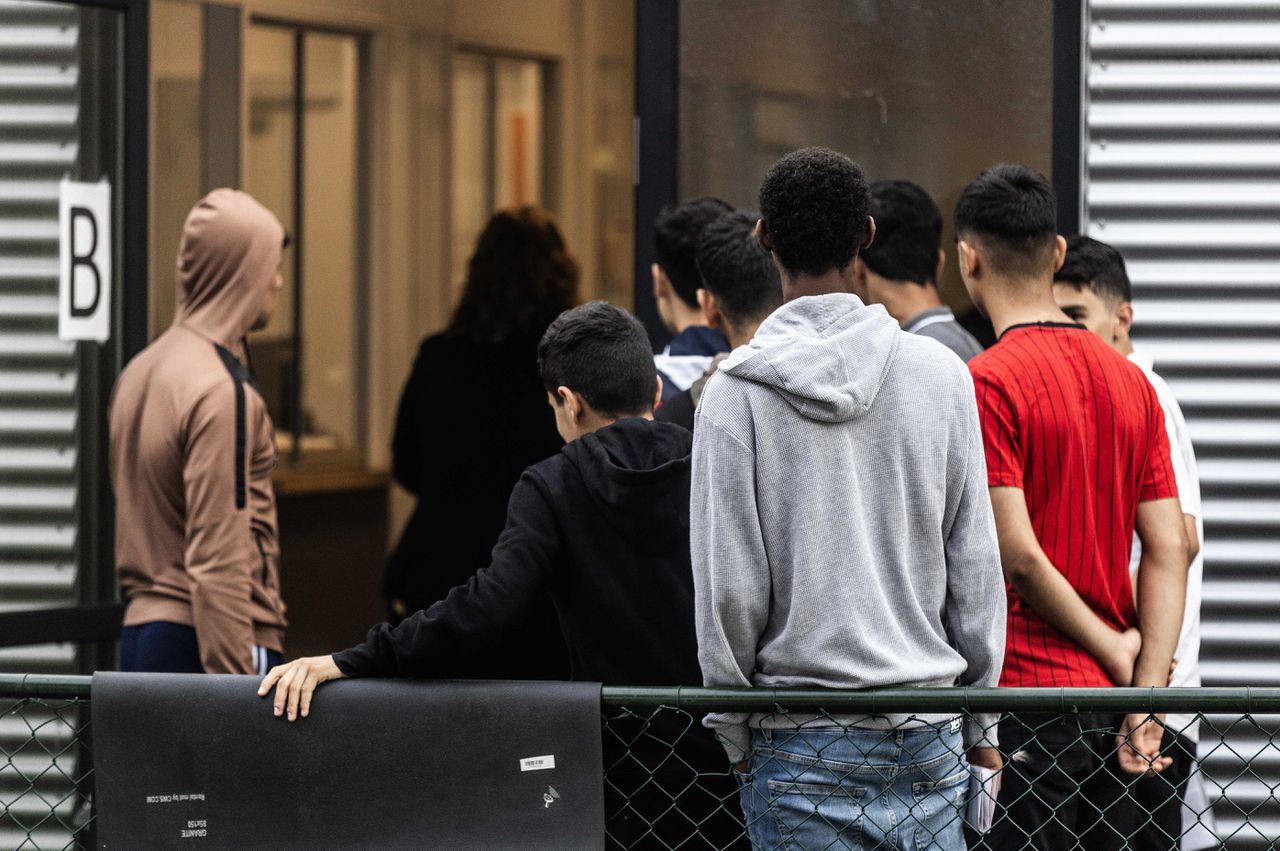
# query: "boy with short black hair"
{"points": [[1092, 287], [740, 287], [603, 526], [675, 290], [900, 270], [1076, 450]]}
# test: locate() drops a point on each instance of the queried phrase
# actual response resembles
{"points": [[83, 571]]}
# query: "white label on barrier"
{"points": [[84, 261], [538, 763]]}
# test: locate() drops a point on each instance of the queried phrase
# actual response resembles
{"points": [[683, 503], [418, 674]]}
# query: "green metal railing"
{"points": [[669, 784], [1249, 701]]}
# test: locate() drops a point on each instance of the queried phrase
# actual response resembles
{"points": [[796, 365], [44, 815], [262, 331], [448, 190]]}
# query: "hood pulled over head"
{"points": [[227, 259], [826, 355]]}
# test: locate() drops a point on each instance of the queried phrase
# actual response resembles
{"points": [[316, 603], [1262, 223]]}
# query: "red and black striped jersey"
{"points": [[1080, 430]]}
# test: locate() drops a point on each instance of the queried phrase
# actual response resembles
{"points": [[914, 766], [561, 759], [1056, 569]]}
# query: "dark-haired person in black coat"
{"points": [[472, 417]]}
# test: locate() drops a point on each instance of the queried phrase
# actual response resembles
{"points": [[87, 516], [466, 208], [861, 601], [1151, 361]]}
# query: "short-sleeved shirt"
{"points": [[1080, 430]]}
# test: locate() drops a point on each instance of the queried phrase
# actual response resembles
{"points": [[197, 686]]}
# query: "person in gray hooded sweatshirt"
{"points": [[842, 536]]}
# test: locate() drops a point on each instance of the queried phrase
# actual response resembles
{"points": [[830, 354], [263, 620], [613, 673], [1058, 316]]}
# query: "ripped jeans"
{"points": [[856, 788]]}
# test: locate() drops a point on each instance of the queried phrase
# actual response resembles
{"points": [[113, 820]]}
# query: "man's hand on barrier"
{"points": [[1139, 745], [296, 682], [985, 758]]}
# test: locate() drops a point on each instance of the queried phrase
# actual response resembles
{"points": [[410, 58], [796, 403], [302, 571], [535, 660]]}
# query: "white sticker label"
{"points": [[538, 763], [84, 261]]}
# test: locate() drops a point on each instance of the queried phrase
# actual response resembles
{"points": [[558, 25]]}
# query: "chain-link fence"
{"points": [[889, 769], [825, 769], [46, 769]]}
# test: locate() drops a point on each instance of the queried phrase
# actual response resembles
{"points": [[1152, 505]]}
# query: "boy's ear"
{"points": [[710, 310], [1060, 253], [762, 236], [660, 283], [572, 402], [967, 256], [657, 397], [870, 235], [1124, 320]]}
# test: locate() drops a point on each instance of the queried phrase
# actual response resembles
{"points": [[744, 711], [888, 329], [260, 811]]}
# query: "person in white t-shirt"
{"points": [[1092, 287]]}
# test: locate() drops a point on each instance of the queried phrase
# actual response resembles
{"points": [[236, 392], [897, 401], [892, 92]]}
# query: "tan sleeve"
{"points": [[220, 553]]}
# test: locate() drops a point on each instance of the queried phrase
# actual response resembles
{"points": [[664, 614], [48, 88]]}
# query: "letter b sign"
{"points": [[84, 261]]}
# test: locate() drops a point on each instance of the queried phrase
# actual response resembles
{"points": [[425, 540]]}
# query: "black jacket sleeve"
{"points": [[443, 639]]}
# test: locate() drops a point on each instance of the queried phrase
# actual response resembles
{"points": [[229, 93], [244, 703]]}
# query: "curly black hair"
{"points": [[814, 203], [520, 277]]}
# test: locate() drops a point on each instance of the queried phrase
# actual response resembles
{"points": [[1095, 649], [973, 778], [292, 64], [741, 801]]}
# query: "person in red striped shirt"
{"points": [[1077, 459]]}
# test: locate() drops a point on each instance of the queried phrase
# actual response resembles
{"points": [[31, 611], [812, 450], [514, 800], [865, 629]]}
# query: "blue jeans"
{"points": [[856, 788], [171, 648]]}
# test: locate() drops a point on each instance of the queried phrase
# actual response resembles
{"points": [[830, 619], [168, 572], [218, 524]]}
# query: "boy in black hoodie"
{"points": [[604, 527]]}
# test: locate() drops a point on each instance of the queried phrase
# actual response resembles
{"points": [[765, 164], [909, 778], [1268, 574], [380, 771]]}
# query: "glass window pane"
{"points": [[175, 175], [269, 177], [471, 193], [930, 92], [517, 132], [329, 277], [498, 138]]}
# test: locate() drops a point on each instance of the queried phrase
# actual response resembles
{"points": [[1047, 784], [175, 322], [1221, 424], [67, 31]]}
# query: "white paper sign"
{"points": [[84, 261]]}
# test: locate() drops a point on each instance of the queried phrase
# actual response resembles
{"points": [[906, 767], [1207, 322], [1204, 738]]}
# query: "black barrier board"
{"points": [[195, 761]]}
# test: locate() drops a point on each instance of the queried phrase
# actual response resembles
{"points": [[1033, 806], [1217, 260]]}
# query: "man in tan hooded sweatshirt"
{"points": [[192, 450]]}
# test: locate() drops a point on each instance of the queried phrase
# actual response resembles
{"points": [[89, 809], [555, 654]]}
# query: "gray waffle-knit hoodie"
{"points": [[841, 529]]}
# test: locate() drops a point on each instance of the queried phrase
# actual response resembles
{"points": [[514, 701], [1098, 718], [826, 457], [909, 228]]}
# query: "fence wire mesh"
{"points": [[819, 781], [816, 779], [46, 774]]}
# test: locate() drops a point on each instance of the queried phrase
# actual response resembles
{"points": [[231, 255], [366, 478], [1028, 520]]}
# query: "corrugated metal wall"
{"points": [[39, 132], [38, 409], [1182, 173]]}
